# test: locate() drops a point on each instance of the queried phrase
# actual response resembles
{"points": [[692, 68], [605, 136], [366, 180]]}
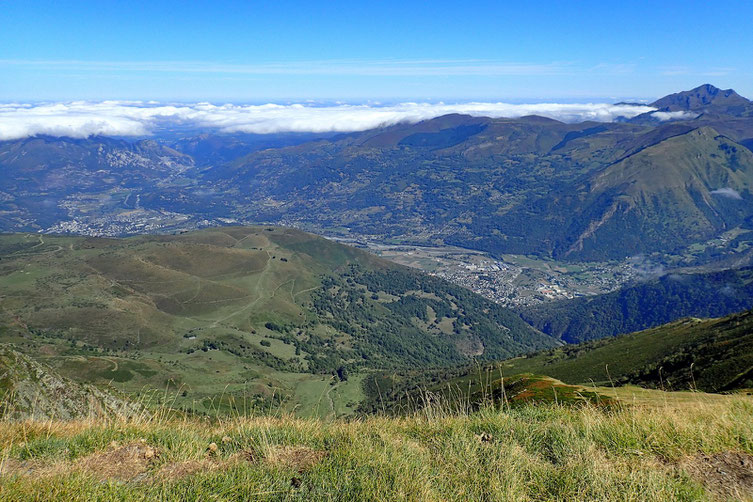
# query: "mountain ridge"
{"points": [[515, 186]]}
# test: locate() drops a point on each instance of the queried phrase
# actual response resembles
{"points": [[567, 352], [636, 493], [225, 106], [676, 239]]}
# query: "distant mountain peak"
{"points": [[704, 98], [710, 90]]}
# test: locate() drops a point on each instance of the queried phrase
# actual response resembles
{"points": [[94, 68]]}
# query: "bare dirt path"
{"points": [[198, 290], [111, 361], [304, 291], [331, 402], [27, 252]]}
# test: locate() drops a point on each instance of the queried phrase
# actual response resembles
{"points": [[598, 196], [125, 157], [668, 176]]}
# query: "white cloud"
{"points": [[680, 115], [728, 192], [120, 118]]}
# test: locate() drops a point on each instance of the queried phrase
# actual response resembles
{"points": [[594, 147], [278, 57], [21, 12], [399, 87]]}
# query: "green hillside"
{"points": [[712, 355], [708, 354], [645, 304], [684, 189], [261, 315]]}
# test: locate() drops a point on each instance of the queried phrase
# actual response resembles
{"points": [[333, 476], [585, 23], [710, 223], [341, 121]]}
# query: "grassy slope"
{"points": [[234, 312], [720, 350], [661, 197], [147, 297], [662, 452], [712, 355]]}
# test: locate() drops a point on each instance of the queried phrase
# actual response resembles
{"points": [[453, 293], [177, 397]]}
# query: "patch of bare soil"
{"points": [[13, 467], [28, 468], [726, 475], [178, 470], [132, 462], [300, 458], [124, 463]]}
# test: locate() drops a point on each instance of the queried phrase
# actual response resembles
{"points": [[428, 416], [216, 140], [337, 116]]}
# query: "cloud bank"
{"points": [[728, 192], [680, 115], [122, 118]]}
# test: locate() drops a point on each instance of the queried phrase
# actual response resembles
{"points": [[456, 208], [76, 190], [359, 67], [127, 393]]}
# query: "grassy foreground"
{"points": [[699, 450]]}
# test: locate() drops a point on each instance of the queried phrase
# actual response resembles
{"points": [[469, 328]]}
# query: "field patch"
{"points": [[208, 261]]}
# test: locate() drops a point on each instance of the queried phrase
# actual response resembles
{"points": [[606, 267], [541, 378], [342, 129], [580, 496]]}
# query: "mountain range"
{"points": [[657, 183], [708, 100]]}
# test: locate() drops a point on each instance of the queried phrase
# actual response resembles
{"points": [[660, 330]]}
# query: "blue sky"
{"points": [[390, 51]]}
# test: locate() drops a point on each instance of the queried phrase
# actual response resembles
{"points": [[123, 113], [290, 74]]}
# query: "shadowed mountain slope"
{"points": [[645, 304]]}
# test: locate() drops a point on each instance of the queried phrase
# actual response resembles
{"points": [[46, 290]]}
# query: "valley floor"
{"points": [[694, 447]]}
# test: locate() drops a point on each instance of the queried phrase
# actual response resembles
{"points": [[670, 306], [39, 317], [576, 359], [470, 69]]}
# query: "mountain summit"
{"points": [[705, 98]]}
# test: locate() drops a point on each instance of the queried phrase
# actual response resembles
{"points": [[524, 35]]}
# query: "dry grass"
{"points": [[663, 452], [178, 470], [121, 463], [299, 458]]}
